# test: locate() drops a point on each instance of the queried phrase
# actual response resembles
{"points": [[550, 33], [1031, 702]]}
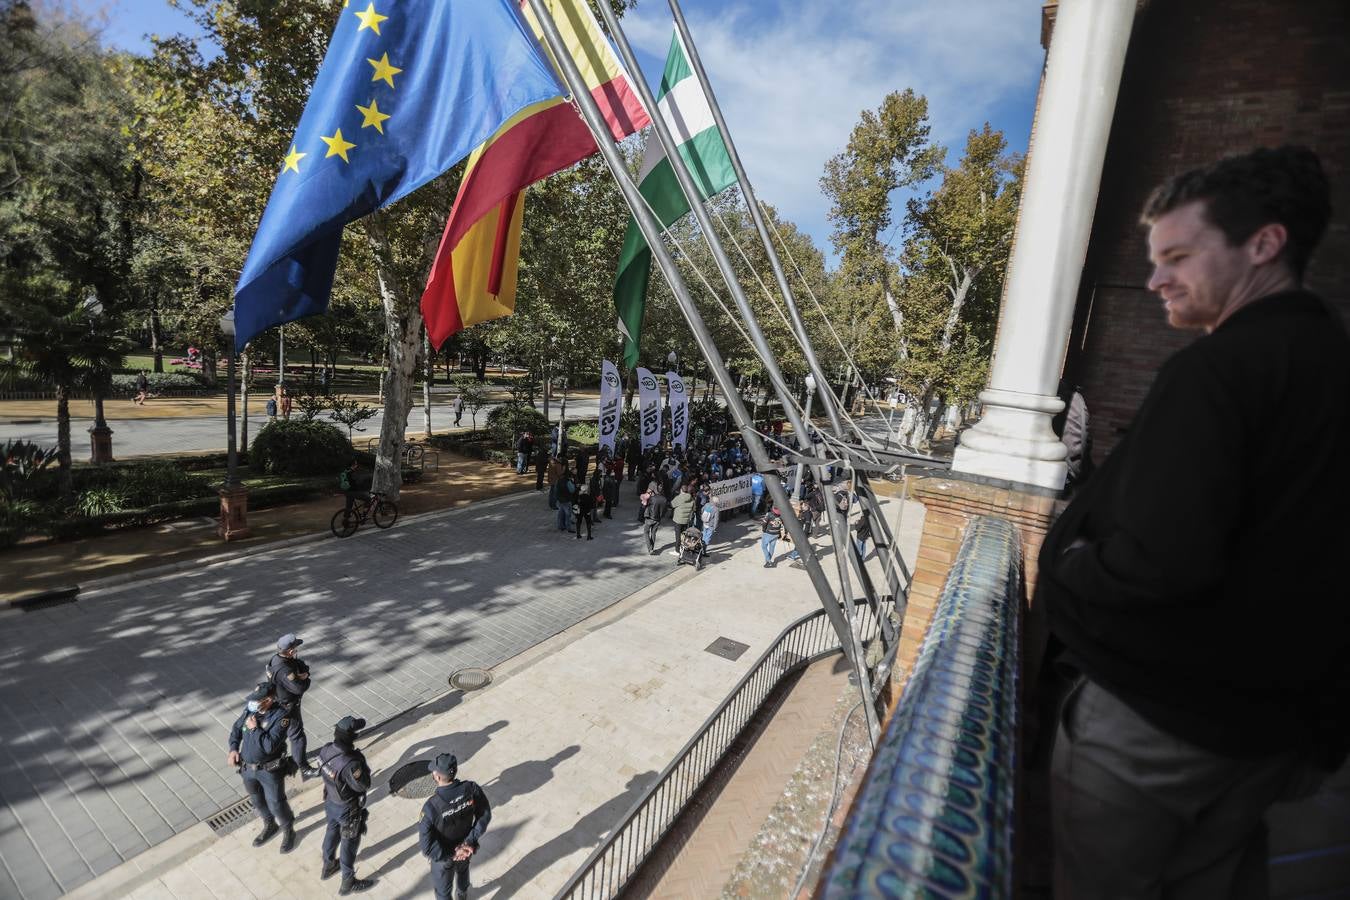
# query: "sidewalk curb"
{"points": [[113, 583]]}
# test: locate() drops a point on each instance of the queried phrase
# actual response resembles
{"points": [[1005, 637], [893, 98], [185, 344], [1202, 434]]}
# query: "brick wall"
{"points": [[1204, 78]]}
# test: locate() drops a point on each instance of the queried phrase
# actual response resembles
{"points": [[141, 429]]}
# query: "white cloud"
{"points": [[793, 76]]}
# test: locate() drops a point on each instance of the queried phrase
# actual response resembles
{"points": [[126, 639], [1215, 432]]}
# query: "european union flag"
{"points": [[406, 90]]}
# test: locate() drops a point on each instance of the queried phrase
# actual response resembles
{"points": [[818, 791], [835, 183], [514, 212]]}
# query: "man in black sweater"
{"points": [[1195, 585]]}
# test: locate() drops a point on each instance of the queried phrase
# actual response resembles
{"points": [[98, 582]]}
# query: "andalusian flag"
{"points": [[474, 276], [690, 120]]}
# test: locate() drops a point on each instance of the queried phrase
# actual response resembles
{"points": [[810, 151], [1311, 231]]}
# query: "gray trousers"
{"points": [[1138, 813]]}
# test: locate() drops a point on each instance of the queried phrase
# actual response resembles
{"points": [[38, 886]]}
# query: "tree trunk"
{"points": [[403, 326], [897, 314], [156, 337], [209, 364], [426, 383], [64, 485]]}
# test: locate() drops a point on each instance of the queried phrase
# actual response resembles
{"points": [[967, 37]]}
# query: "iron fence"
{"points": [[612, 865]]}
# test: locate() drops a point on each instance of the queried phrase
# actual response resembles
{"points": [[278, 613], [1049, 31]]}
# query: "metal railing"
{"points": [[610, 867], [934, 817]]}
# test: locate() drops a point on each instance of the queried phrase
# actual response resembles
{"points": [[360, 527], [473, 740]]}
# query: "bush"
{"points": [[508, 420], [101, 501], [18, 518], [159, 381], [146, 484], [300, 448], [584, 433]]}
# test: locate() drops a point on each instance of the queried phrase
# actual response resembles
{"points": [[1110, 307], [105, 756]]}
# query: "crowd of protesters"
{"points": [[673, 484]]}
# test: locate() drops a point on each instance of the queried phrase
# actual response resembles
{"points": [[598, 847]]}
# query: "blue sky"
{"points": [[794, 75]]}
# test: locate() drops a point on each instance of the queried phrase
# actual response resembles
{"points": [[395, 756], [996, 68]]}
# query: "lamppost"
{"points": [[233, 494], [100, 435], [810, 393]]}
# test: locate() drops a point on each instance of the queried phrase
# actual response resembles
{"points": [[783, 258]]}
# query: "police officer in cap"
{"points": [[258, 749], [291, 677], [452, 822], [346, 779]]}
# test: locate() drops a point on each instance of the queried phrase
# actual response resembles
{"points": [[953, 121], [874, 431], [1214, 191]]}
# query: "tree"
{"points": [[66, 183], [887, 151], [956, 257], [475, 397], [350, 412]]}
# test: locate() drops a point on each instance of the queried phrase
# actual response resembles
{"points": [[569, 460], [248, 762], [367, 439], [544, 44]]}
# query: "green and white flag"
{"points": [[685, 110]]}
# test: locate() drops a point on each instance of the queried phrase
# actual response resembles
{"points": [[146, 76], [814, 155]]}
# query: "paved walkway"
{"points": [[115, 709], [564, 741]]}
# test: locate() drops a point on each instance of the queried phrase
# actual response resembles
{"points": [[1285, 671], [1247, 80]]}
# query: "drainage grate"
{"points": [[470, 679], [48, 599], [231, 817], [727, 648], [413, 781]]}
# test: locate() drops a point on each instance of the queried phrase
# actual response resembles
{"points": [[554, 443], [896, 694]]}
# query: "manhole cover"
{"points": [[471, 679], [726, 648], [413, 781]]}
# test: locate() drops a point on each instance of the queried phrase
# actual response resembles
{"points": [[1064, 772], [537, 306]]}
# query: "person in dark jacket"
{"points": [[258, 750], [610, 488], [1195, 585], [452, 822], [585, 507], [290, 674], [540, 465], [653, 508], [346, 781]]}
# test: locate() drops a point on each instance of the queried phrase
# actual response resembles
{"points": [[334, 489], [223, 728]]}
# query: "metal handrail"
{"points": [[612, 864]]}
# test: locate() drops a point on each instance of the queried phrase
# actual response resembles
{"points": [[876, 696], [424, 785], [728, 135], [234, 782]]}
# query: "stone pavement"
{"points": [[115, 709], [563, 742]]}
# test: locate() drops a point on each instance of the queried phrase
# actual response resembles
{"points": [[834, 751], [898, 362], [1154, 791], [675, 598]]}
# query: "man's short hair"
{"points": [[1243, 193]]}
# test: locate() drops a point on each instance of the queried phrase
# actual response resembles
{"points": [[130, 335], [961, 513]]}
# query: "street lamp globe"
{"points": [[227, 323], [810, 383]]}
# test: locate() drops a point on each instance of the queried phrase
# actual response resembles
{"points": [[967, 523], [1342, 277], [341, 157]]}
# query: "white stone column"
{"points": [[1014, 441]]}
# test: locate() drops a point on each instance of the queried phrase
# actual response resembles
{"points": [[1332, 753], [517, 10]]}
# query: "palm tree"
{"points": [[73, 349]]}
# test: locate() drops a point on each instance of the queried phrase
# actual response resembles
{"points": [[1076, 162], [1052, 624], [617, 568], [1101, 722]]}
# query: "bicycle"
{"points": [[376, 507]]}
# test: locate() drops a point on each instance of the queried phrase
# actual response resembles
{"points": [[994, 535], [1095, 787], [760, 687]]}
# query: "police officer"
{"points": [[346, 779], [452, 822], [291, 677], [258, 750]]}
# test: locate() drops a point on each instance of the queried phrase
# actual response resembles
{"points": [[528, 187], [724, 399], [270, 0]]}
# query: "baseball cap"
{"points": [[444, 764], [350, 724], [263, 690], [287, 641]]}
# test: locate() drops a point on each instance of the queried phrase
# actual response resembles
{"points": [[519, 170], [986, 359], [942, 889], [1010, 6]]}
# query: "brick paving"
{"points": [[115, 709]]}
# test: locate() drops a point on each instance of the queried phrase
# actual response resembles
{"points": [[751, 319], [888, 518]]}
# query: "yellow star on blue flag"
{"points": [[391, 68]]}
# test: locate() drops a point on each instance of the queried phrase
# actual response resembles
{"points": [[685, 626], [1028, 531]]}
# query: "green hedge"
{"points": [[159, 381], [505, 422], [301, 448]]}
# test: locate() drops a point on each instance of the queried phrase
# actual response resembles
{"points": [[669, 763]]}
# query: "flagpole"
{"points": [[831, 401], [757, 216], [838, 528], [651, 232]]}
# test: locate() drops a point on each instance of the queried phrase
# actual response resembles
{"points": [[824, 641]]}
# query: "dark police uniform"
{"points": [[284, 673], [457, 813], [262, 752], [346, 779]]}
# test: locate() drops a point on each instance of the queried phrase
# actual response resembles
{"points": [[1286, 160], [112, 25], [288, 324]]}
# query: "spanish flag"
{"points": [[473, 278]]}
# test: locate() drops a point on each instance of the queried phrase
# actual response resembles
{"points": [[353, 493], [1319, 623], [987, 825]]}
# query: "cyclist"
{"points": [[352, 485], [654, 510]]}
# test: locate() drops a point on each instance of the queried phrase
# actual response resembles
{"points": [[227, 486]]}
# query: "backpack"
{"points": [[271, 407], [344, 481]]}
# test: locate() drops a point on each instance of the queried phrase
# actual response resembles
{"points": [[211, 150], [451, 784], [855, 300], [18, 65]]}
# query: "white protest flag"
{"points": [[649, 408], [679, 410], [611, 392]]}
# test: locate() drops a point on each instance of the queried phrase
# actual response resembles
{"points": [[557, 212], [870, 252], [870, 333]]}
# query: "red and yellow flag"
{"points": [[474, 276]]}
